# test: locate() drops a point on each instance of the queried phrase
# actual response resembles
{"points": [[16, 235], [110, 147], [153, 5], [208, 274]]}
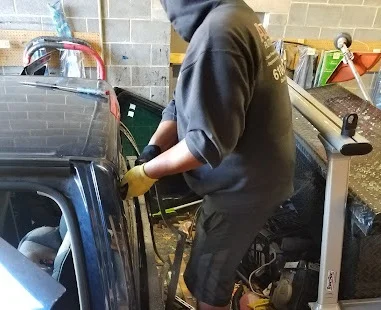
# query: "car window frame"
{"points": [[70, 218]]}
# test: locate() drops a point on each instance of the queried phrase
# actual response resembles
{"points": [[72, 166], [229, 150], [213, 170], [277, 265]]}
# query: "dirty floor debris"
{"points": [[166, 246]]}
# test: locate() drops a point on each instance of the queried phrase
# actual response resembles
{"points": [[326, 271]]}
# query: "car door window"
{"points": [[35, 226]]}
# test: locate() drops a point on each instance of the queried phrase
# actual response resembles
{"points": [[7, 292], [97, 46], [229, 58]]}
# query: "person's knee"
{"points": [[204, 306]]}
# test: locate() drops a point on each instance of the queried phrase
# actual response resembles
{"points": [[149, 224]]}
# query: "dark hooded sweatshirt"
{"points": [[232, 106]]}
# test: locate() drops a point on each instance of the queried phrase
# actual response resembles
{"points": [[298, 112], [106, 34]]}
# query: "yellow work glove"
{"points": [[138, 182]]}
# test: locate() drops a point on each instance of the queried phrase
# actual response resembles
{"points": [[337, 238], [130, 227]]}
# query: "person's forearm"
{"points": [[165, 136], [177, 159]]}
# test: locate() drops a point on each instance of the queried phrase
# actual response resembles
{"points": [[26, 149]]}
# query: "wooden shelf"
{"points": [[357, 46]]}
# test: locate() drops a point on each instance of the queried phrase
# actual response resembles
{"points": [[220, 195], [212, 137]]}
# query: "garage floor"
{"points": [[166, 246]]}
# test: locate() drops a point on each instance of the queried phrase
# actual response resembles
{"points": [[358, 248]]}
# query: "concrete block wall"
{"points": [[324, 19], [137, 36]]}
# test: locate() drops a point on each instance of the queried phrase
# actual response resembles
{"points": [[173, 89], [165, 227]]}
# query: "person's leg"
{"points": [[222, 239], [204, 306]]}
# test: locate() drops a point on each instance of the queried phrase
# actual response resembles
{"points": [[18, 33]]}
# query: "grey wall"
{"points": [[324, 19], [137, 36]]}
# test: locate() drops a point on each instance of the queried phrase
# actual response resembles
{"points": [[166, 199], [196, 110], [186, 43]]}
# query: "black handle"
{"points": [[349, 125]]}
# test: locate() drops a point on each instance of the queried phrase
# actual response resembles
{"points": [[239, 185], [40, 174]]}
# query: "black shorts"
{"points": [[221, 241]]}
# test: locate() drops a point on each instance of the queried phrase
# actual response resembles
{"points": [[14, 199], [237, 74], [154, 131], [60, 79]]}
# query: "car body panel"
{"points": [[83, 167], [39, 122]]}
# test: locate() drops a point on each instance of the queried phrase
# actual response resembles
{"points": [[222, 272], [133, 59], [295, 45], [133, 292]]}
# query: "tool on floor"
{"points": [[81, 90], [179, 252], [184, 303]]}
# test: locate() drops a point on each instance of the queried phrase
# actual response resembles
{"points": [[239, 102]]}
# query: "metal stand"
{"points": [[333, 229]]}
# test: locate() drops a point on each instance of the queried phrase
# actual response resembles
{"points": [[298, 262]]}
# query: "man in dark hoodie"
{"points": [[229, 130]]}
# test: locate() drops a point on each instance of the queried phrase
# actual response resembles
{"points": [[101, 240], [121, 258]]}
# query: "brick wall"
{"points": [[324, 19], [137, 36], [137, 33]]}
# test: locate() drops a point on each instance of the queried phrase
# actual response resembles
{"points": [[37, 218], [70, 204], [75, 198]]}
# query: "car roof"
{"points": [[41, 122]]}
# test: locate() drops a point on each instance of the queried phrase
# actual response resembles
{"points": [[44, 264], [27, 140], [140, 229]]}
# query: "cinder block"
{"points": [[3, 107], [373, 2], [117, 30], [158, 12], [278, 19], [81, 8], [51, 116], [275, 31], [154, 32], [140, 91], [345, 1], [324, 15], [274, 6], [358, 16], [76, 24], [150, 76], [130, 54], [367, 34], [160, 55], [20, 22], [331, 33], [298, 14], [28, 124], [32, 7], [377, 22], [92, 24], [47, 24], [119, 76], [7, 7], [160, 95], [297, 32], [13, 115], [130, 9]]}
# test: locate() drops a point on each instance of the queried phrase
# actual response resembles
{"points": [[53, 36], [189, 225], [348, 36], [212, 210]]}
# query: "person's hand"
{"points": [[149, 153], [137, 181]]}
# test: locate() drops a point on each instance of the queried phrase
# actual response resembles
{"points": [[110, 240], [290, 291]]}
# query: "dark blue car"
{"points": [[67, 238]]}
